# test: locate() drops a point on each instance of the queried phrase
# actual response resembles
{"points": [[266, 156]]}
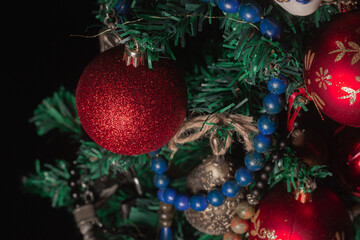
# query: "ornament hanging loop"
{"points": [[218, 147], [134, 56], [110, 19]]}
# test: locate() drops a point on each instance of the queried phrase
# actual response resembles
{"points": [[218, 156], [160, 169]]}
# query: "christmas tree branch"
{"points": [[52, 182], [58, 112], [98, 161]]}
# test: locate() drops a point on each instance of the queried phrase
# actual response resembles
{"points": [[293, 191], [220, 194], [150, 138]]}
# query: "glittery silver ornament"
{"points": [[211, 174]]}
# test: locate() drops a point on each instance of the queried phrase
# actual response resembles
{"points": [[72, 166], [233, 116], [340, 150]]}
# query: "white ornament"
{"points": [[299, 9]]}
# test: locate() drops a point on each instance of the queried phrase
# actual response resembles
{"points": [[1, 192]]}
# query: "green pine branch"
{"points": [[58, 112], [50, 182], [97, 161], [296, 173]]}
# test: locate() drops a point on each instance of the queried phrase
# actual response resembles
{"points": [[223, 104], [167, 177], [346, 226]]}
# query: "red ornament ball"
{"points": [[332, 69], [129, 110], [345, 158], [280, 216]]}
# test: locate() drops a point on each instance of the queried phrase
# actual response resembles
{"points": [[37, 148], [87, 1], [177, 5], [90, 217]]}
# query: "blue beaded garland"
{"points": [[215, 197], [244, 176], [181, 202], [250, 11], [169, 195], [303, 1], [161, 180], [166, 233], [273, 104], [262, 143], [270, 28], [230, 188], [123, 6], [198, 202], [267, 124], [159, 164], [229, 6], [155, 153], [254, 161], [277, 85], [160, 194]]}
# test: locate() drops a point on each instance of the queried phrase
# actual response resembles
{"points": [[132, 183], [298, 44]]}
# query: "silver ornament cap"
{"points": [[134, 56]]}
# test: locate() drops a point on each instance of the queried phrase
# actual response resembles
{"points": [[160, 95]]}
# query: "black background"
{"points": [[39, 56]]}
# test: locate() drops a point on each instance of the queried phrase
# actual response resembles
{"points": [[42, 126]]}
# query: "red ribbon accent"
{"points": [[291, 120]]}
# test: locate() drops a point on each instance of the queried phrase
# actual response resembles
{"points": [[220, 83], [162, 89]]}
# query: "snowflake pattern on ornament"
{"points": [[262, 233], [352, 93], [323, 78], [342, 50]]}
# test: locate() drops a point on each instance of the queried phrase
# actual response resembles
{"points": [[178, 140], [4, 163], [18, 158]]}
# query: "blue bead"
{"points": [[303, 1], [229, 6], [230, 189], [262, 143], [160, 194], [277, 85], [159, 165], [166, 233], [254, 161], [161, 180], [123, 6], [198, 202], [270, 28], [215, 198], [169, 195], [267, 124], [244, 176], [154, 153], [181, 202], [250, 11], [273, 104]]}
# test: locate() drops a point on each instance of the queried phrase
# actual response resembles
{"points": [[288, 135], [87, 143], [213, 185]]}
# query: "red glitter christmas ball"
{"points": [[345, 158], [129, 110], [332, 69], [280, 216]]}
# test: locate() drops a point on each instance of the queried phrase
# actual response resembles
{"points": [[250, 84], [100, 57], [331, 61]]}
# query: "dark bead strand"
{"points": [[166, 214], [75, 185]]}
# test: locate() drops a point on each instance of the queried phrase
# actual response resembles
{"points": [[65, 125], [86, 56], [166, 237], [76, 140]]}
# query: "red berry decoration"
{"points": [[130, 110], [332, 69], [345, 158], [280, 216]]}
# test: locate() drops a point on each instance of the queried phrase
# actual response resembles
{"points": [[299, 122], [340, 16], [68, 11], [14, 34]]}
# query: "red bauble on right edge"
{"points": [[332, 69], [345, 158], [279, 216]]}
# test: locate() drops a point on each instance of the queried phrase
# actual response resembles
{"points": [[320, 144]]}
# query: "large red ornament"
{"points": [[279, 216], [130, 110], [332, 69], [345, 158]]}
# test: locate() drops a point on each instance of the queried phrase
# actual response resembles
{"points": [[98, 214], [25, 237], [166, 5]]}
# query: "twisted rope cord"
{"points": [[200, 126]]}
